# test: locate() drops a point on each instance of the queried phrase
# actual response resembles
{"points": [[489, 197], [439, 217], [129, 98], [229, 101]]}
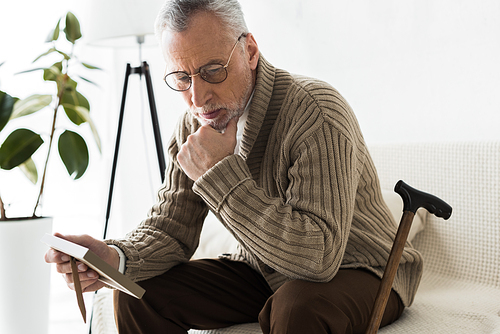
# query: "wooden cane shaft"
{"points": [[390, 272]]}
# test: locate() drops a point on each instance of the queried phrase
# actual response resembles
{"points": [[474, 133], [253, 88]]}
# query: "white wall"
{"points": [[413, 71], [421, 70]]}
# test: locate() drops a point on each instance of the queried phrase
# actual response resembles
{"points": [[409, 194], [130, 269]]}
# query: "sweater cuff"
{"points": [[218, 182], [123, 258], [133, 262]]}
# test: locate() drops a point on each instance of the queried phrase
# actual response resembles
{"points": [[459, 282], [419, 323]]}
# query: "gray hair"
{"points": [[175, 15]]}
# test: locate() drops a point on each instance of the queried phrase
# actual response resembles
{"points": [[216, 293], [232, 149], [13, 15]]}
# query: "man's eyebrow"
{"points": [[215, 61]]}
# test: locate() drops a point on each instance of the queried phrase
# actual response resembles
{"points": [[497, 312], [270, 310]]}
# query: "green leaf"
{"points": [[71, 84], [72, 29], [32, 70], [65, 55], [18, 147], [30, 105], [29, 169], [52, 50], [89, 81], [49, 51], [54, 33], [84, 114], [70, 110], [74, 153], [6, 107], [53, 73], [91, 67], [72, 99]]}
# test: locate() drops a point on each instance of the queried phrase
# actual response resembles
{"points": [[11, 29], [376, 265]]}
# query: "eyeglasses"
{"points": [[181, 81]]}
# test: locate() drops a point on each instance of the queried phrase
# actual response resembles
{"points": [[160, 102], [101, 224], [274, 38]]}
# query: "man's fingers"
{"points": [[65, 268], [87, 285], [88, 276], [232, 127], [205, 148], [83, 240], [96, 285], [54, 256]]}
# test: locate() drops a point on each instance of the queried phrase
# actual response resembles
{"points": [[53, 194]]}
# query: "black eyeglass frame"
{"points": [[200, 71]]}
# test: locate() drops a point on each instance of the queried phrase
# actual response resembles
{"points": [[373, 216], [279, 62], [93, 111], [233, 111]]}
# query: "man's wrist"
{"points": [[123, 258]]}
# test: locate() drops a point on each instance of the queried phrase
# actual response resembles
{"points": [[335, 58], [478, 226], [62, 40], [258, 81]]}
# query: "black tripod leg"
{"points": [[117, 148], [154, 120]]}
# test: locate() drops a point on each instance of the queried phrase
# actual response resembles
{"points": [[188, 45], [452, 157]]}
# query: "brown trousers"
{"points": [[207, 294]]}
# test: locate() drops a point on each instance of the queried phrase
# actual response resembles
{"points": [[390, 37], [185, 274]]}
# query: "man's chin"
{"points": [[218, 125]]}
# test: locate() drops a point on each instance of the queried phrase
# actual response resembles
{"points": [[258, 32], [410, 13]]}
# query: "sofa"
{"points": [[460, 287]]}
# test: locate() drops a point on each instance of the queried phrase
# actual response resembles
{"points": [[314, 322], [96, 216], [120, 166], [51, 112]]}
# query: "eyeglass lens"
{"points": [[212, 73]]}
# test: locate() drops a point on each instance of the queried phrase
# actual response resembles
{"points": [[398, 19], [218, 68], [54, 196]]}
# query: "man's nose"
{"points": [[201, 91]]}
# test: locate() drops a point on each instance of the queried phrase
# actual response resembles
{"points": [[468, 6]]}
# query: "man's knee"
{"points": [[342, 305], [295, 308], [292, 298]]}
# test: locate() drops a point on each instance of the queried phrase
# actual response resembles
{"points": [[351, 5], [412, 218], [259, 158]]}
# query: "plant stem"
{"points": [[58, 104]]}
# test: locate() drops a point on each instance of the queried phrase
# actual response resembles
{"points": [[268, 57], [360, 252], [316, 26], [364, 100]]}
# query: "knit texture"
{"points": [[302, 197]]}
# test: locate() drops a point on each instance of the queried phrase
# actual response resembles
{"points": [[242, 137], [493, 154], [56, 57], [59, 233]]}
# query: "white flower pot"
{"points": [[25, 277]]}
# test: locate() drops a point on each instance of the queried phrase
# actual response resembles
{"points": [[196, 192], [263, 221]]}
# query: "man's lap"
{"points": [[215, 293], [212, 293]]}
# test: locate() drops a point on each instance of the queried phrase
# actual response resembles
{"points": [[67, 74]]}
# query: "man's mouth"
{"points": [[211, 115]]}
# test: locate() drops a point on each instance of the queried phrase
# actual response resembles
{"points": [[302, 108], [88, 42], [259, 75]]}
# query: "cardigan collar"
{"points": [[259, 106]]}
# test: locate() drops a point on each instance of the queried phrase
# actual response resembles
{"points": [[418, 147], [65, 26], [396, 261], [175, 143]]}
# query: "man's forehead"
{"points": [[204, 40], [193, 50]]}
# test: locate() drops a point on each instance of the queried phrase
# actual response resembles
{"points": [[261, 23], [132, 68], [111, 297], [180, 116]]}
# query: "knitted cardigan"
{"points": [[302, 197]]}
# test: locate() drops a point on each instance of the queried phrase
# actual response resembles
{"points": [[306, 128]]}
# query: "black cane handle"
{"points": [[414, 199]]}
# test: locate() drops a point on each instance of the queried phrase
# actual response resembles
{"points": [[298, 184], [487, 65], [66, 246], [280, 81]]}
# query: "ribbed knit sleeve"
{"points": [[171, 232]]}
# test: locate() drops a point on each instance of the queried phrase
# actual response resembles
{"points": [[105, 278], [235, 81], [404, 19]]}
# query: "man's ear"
{"points": [[252, 51]]}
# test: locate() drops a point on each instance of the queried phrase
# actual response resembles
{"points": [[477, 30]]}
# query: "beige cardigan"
{"points": [[302, 198]]}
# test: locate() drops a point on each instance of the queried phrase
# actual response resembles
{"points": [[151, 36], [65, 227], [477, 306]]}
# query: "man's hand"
{"points": [[205, 148], [88, 277]]}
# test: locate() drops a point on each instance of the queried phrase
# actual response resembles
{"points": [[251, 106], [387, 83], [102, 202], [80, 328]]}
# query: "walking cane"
{"points": [[412, 200]]}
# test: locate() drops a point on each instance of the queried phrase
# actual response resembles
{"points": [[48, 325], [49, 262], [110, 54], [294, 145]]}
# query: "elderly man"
{"points": [[281, 161]]}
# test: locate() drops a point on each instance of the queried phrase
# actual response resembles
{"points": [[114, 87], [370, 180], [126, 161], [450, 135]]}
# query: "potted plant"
{"points": [[16, 151]]}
